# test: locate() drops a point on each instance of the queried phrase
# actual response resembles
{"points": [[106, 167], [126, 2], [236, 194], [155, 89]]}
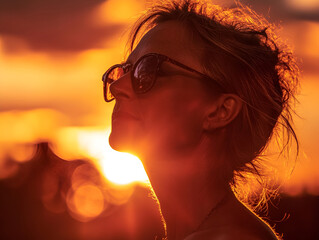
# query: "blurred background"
{"points": [[59, 179]]}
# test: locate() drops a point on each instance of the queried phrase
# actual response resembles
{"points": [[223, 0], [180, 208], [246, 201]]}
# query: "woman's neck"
{"points": [[187, 189]]}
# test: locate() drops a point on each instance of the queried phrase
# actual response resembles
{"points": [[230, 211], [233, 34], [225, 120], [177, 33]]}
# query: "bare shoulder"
{"points": [[233, 234], [237, 222]]}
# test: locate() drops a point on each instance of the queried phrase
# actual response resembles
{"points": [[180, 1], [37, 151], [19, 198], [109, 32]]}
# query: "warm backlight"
{"points": [[120, 168], [123, 168]]}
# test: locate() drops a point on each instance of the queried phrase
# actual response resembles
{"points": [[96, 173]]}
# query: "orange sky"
{"points": [[53, 54]]}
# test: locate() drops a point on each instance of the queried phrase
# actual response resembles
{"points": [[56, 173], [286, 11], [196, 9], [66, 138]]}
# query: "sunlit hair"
{"points": [[244, 55]]}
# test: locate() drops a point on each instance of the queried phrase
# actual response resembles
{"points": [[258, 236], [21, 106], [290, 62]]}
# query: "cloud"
{"points": [[54, 25]]}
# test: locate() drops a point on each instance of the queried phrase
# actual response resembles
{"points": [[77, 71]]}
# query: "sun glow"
{"points": [[117, 167]]}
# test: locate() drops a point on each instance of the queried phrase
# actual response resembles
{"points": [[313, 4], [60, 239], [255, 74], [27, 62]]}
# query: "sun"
{"points": [[117, 167]]}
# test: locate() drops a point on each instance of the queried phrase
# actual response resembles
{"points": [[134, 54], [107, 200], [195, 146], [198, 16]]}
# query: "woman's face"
{"points": [[169, 117]]}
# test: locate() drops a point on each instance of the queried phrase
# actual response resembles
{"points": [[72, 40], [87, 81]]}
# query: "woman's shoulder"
{"points": [[239, 223], [233, 234]]}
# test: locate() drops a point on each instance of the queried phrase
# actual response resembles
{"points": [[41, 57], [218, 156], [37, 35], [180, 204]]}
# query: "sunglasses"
{"points": [[143, 73]]}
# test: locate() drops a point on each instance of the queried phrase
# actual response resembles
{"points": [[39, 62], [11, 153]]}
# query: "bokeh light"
{"points": [[85, 202]]}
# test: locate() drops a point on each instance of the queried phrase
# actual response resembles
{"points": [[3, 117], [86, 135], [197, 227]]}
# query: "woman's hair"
{"points": [[243, 54]]}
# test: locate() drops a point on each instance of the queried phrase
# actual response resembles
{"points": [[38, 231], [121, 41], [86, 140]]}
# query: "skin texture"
{"points": [[178, 131]]}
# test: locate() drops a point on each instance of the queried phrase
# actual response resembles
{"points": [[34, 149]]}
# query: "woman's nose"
{"points": [[122, 88]]}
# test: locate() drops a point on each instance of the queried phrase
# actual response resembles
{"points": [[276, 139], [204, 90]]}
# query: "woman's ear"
{"points": [[222, 111]]}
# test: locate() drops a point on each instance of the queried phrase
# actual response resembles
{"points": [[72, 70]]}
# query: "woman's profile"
{"points": [[198, 99]]}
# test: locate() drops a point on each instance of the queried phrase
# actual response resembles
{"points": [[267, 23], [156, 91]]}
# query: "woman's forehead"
{"points": [[172, 39]]}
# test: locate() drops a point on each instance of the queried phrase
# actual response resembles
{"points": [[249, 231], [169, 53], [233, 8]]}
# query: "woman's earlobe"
{"points": [[226, 108]]}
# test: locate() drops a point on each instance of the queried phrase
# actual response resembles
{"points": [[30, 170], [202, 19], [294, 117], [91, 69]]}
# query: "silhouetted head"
{"points": [[238, 87]]}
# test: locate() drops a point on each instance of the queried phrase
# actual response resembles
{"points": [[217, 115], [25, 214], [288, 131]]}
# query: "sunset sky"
{"points": [[54, 52]]}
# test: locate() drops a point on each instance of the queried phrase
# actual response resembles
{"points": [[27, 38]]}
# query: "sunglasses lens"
{"points": [[116, 73], [111, 76], [144, 73]]}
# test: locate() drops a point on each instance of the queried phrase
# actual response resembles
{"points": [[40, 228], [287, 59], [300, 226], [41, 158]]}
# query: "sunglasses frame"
{"points": [[160, 59]]}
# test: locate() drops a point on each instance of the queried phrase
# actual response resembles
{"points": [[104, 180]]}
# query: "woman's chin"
{"points": [[119, 143], [115, 142]]}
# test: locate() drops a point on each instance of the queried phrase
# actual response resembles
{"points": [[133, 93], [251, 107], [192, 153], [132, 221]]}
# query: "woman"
{"points": [[198, 99]]}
